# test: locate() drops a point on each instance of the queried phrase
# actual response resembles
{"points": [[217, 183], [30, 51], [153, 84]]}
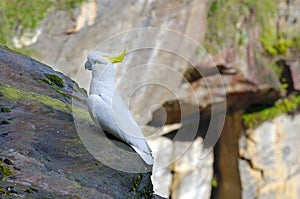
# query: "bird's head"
{"points": [[97, 58]]}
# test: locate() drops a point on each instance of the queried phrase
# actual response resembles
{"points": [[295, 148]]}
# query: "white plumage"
{"points": [[107, 108]]}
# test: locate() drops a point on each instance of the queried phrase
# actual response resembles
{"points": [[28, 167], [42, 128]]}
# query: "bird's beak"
{"points": [[116, 59], [88, 65]]}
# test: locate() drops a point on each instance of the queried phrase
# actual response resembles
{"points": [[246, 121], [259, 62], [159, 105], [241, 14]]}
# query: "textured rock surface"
{"points": [[192, 173], [68, 52], [270, 164], [245, 70], [39, 141], [189, 176]]}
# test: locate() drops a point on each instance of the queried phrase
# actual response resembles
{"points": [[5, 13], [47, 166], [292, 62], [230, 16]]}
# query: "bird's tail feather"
{"points": [[147, 157]]}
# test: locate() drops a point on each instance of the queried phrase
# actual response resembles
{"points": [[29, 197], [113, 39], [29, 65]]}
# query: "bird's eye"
{"points": [[94, 62]]}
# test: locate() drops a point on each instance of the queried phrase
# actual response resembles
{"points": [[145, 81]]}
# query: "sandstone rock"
{"points": [[192, 173], [180, 170], [269, 164], [68, 52]]}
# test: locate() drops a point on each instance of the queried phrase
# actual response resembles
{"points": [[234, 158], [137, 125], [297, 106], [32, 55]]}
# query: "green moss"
{"points": [[34, 189], [27, 190], [214, 182], [5, 121], [5, 109], [3, 191], [68, 4], [5, 171], [48, 81], [226, 28], [282, 45], [62, 92], [15, 22], [274, 44], [137, 181], [30, 190], [52, 84], [283, 106], [18, 94], [229, 21], [142, 192], [55, 79]]}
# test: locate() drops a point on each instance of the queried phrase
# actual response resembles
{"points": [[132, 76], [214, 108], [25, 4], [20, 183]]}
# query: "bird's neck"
{"points": [[103, 80]]}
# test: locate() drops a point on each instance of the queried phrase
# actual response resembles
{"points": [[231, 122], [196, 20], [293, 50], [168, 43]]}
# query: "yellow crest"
{"points": [[118, 58]]}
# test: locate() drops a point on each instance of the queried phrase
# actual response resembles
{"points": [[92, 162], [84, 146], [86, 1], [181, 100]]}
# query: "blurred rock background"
{"points": [[254, 45]]}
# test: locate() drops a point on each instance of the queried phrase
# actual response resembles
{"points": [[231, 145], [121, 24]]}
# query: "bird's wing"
{"points": [[147, 157], [101, 114], [118, 121], [130, 129]]}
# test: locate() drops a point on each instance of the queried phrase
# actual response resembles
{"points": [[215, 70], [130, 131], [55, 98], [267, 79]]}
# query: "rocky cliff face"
{"points": [[41, 154]]}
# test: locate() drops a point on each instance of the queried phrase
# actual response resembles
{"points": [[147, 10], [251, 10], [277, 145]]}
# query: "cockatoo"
{"points": [[106, 107]]}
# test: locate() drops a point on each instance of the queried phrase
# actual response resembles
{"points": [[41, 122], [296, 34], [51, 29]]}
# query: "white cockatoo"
{"points": [[107, 108]]}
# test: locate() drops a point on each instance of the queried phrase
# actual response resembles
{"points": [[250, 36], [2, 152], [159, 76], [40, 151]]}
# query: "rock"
{"points": [[180, 170], [40, 145], [269, 163], [294, 68], [192, 172], [88, 13], [68, 52]]}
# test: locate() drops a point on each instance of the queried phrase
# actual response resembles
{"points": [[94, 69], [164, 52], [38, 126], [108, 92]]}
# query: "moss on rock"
{"points": [[18, 94], [142, 187], [55, 79], [3, 191], [5, 171], [62, 92], [5, 109], [226, 28], [48, 81], [283, 106], [5, 122]]}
